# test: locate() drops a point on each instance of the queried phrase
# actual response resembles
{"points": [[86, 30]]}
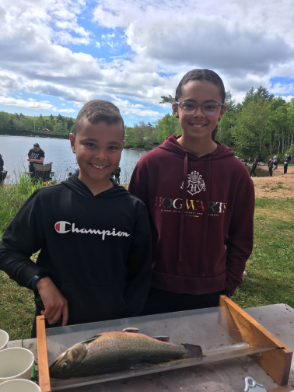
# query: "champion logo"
{"points": [[64, 227], [60, 227]]}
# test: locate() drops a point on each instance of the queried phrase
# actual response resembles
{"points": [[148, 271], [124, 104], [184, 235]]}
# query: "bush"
{"points": [[12, 197]]}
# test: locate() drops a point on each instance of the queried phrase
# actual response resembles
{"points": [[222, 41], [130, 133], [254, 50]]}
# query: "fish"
{"points": [[116, 351]]}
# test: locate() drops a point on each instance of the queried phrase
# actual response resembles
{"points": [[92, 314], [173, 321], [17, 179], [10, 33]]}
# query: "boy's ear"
{"points": [[72, 142], [175, 110]]}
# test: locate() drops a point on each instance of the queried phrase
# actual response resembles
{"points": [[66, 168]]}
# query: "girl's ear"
{"points": [[175, 108], [72, 142], [222, 112]]}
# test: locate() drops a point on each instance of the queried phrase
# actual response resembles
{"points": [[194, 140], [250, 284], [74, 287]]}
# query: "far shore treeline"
{"points": [[262, 123]]}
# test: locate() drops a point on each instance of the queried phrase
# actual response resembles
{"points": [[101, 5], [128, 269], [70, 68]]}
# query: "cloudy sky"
{"points": [[55, 55]]}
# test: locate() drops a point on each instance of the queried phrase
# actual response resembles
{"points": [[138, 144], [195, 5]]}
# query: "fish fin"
{"points": [[162, 338], [193, 351], [131, 329], [91, 339]]}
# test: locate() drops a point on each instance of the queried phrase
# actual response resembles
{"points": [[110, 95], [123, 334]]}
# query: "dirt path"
{"points": [[280, 185]]}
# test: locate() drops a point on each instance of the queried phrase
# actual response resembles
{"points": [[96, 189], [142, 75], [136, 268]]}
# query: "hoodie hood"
{"points": [[80, 188]]}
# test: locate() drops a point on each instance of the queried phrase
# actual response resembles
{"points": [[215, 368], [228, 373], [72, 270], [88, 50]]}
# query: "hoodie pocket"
{"points": [[89, 304]]}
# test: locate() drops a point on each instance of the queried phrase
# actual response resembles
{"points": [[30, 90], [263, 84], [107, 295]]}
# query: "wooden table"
{"points": [[225, 376]]}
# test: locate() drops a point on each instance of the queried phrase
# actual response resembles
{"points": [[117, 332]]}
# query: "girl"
{"points": [[200, 201]]}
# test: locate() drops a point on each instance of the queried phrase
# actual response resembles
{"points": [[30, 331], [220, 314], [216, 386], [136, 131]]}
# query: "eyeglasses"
{"points": [[208, 109]]}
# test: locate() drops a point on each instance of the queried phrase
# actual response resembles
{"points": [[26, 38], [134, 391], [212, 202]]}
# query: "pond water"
{"points": [[14, 150]]}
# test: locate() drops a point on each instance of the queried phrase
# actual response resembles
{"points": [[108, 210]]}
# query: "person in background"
{"points": [[258, 157], [116, 174], [201, 220], [275, 161], [1, 170], [286, 163], [35, 155], [270, 165], [253, 167]]}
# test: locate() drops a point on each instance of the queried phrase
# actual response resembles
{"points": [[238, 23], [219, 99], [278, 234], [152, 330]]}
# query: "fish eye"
{"points": [[63, 365]]}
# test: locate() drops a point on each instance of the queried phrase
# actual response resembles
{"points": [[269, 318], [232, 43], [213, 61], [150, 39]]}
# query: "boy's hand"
{"points": [[54, 302]]}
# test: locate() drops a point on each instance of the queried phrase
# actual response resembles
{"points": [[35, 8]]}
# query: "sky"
{"points": [[55, 55]]}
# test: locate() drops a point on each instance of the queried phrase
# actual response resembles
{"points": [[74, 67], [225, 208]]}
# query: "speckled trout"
{"points": [[118, 350]]}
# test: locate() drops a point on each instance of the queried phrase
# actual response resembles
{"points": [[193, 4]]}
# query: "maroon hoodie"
{"points": [[201, 212]]}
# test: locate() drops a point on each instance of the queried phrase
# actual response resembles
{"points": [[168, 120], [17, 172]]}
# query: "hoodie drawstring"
{"points": [[205, 223], [183, 211]]}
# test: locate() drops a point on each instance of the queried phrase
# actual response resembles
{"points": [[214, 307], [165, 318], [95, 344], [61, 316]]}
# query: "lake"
{"points": [[14, 151]]}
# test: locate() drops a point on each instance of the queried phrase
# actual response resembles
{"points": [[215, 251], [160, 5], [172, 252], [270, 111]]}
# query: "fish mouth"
{"points": [[57, 360]]}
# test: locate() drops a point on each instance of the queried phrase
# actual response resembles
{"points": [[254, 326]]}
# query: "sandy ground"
{"points": [[279, 186]]}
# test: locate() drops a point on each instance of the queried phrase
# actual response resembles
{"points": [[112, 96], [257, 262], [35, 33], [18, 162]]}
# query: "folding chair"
{"points": [[43, 171]]}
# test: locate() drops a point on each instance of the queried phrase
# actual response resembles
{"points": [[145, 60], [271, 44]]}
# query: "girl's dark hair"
{"points": [[202, 75], [98, 110]]}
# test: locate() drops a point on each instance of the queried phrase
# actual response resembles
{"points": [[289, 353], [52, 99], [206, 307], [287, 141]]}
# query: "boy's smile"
{"points": [[98, 150]]}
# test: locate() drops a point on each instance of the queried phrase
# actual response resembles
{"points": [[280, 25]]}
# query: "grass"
{"points": [[270, 269], [269, 280]]}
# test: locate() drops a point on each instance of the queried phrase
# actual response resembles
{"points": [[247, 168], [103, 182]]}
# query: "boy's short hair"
{"points": [[98, 110]]}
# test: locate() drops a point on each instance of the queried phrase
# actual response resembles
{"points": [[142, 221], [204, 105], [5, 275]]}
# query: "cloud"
{"points": [[33, 104], [147, 48]]}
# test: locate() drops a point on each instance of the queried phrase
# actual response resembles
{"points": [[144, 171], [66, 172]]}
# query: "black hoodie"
{"points": [[96, 249]]}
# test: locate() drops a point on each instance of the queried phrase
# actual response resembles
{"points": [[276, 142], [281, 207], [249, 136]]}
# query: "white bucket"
{"points": [[19, 386], [15, 362], [4, 338]]}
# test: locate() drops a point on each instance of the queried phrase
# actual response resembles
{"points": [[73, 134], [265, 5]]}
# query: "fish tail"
{"points": [[192, 351]]}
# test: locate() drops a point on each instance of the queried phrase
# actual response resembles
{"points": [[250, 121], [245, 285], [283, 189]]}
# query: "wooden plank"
{"points": [[44, 378], [275, 362], [286, 388]]}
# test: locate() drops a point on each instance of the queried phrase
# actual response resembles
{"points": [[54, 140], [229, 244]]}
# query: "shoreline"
{"points": [[66, 137]]}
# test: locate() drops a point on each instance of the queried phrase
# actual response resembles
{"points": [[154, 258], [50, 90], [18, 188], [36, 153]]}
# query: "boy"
{"points": [[95, 261]]}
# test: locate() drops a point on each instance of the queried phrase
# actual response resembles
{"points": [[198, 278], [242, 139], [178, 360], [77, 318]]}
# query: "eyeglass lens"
{"points": [[207, 108]]}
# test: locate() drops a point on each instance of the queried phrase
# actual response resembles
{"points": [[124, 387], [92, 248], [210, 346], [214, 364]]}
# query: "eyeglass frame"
{"points": [[199, 106]]}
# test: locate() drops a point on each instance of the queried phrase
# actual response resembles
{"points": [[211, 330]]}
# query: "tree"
{"points": [[168, 125], [250, 132], [165, 99], [229, 102], [260, 94]]}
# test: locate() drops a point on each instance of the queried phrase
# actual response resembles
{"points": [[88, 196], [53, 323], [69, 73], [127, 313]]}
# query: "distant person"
{"points": [[270, 165], [253, 167], [286, 163], [249, 160], [258, 157], [2, 174], [116, 174], [94, 236], [275, 161], [35, 155]]}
